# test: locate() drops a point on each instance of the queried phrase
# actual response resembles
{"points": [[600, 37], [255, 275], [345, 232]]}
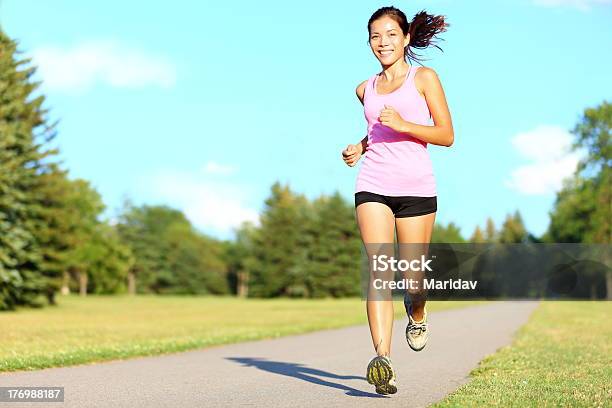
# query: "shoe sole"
{"points": [[416, 349], [386, 389], [379, 373]]}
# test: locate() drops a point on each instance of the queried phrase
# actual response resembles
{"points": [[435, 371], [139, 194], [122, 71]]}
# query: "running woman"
{"points": [[395, 187]]}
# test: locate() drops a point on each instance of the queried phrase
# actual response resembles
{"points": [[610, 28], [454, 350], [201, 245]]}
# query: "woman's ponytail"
{"points": [[423, 29]]}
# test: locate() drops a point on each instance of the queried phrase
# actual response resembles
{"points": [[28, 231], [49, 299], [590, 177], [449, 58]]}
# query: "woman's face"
{"points": [[387, 40]]}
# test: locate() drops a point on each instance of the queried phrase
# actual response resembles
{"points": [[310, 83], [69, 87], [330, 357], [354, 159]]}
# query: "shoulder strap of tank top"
{"points": [[413, 70], [369, 87]]}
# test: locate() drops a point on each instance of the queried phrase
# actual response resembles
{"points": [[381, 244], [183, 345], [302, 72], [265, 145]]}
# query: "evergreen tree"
{"points": [[513, 230], [490, 231], [334, 262], [24, 137], [279, 258], [477, 236], [298, 271], [451, 234]]}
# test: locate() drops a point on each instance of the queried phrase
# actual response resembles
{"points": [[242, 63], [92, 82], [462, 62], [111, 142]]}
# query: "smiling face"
{"points": [[387, 40]]}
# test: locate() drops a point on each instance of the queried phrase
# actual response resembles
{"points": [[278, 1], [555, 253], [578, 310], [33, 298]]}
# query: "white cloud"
{"points": [[584, 5], [78, 68], [543, 143], [549, 148], [216, 168], [210, 205]]}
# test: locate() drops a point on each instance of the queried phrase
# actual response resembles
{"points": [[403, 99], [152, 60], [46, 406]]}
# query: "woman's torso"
{"points": [[396, 164]]}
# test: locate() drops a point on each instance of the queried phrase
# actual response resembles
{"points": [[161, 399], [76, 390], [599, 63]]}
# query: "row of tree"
{"points": [[51, 235], [52, 238]]}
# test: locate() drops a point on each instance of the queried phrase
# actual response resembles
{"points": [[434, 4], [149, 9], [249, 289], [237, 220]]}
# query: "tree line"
{"points": [[52, 238]]}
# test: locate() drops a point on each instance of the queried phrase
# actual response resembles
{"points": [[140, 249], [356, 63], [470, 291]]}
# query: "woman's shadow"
{"points": [[304, 373]]}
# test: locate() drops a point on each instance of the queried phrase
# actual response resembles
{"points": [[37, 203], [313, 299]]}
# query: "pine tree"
{"points": [[478, 237], [279, 267], [449, 234], [513, 230], [490, 231], [334, 262], [24, 136]]}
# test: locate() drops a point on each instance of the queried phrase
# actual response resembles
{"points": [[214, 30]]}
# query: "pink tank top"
{"points": [[396, 164]]}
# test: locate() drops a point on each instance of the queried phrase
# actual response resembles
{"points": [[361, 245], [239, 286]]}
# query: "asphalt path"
{"points": [[324, 368]]}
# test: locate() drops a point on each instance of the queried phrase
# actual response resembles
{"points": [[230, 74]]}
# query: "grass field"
{"points": [[561, 358], [96, 328]]}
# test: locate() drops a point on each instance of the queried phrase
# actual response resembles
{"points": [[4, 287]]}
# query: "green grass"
{"points": [[97, 328], [561, 357]]}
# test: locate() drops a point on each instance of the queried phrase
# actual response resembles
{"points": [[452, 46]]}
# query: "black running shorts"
{"points": [[402, 206]]}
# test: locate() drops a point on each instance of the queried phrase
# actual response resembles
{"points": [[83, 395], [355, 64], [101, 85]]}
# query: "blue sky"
{"points": [[203, 105]]}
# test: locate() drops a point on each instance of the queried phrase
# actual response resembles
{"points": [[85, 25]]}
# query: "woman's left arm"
{"points": [[442, 132]]}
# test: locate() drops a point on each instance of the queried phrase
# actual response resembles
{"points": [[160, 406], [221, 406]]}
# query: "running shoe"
{"points": [[380, 373], [416, 332]]}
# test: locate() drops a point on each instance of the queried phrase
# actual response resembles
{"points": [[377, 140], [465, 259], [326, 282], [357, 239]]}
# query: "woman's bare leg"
{"points": [[376, 223], [415, 230]]}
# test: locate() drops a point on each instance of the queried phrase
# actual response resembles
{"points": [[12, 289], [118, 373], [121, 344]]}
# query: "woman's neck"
{"points": [[396, 70]]}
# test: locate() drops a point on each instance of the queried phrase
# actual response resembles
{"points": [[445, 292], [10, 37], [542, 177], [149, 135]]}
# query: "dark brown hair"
{"points": [[422, 29]]}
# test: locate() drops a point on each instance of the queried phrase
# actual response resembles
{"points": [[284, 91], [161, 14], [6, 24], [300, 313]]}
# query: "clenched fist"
{"points": [[389, 117], [351, 154]]}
